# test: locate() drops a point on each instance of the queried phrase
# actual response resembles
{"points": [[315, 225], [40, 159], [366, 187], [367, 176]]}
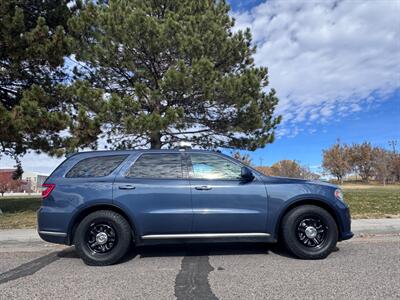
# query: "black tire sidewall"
{"points": [[292, 219], [123, 232]]}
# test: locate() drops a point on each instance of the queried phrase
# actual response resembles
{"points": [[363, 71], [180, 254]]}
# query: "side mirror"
{"points": [[246, 174]]}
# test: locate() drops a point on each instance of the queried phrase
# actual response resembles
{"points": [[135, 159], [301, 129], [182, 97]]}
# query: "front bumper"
{"points": [[346, 236], [345, 221]]}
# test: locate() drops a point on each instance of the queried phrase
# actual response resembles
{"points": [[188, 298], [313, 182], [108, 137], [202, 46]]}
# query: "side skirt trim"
{"points": [[54, 233], [204, 235]]}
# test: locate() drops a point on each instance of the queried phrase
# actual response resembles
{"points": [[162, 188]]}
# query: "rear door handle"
{"points": [[127, 187], [203, 188]]}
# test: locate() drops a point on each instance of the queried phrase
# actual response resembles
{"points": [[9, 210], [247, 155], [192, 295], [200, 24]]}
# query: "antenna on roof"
{"points": [[184, 146]]}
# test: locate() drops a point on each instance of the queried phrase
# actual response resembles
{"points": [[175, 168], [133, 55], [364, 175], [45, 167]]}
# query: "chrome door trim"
{"points": [[204, 235]]}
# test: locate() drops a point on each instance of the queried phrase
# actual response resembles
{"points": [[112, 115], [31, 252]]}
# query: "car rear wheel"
{"points": [[309, 232], [102, 238]]}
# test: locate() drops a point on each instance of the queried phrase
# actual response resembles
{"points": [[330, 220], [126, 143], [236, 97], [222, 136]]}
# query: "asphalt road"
{"points": [[363, 268]]}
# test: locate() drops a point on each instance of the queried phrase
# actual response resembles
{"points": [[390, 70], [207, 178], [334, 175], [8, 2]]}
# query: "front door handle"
{"points": [[127, 187], [203, 188]]}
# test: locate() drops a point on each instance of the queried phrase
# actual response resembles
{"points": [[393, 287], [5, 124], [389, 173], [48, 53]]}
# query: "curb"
{"points": [[359, 227], [375, 226], [19, 235]]}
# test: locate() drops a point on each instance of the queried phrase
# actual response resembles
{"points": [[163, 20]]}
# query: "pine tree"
{"points": [[18, 172], [38, 103], [171, 71]]}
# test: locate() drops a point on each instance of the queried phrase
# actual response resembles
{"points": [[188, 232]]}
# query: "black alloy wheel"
{"points": [[312, 232], [102, 238], [309, 232]]}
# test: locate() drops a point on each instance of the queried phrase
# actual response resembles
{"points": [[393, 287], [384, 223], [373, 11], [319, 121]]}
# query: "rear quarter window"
{"points": [[98, 166]]}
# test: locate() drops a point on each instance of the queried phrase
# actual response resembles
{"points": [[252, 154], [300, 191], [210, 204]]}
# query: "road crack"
{"points": [[192, 280]]}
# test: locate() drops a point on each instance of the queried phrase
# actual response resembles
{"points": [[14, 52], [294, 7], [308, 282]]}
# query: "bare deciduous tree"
{"points": [[306, 173], [265, 170], [7, 183], [382, 164], [394, 162], [286, 168], [336, 161], [245, 158], [362, 158]]}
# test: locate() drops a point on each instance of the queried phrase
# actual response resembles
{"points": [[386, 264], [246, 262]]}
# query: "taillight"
{"points": [[47, 189]]}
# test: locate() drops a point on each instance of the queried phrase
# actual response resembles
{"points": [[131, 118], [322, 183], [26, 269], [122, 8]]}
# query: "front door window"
{"points": [[208, 166]]}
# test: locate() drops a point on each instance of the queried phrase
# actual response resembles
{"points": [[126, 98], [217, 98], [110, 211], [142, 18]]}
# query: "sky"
{"points": [[335, 66]]}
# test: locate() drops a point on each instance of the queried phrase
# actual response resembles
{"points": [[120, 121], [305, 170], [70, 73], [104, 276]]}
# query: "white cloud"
{"points": [[326, 58]]}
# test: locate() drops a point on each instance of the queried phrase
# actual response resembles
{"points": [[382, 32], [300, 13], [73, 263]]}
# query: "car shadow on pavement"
{"points": [[195, 249], [205, 249], [69, 252]]}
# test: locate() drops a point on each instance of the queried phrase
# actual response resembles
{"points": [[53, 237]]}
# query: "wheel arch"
{"points": [[82, 213], [308, 201]]}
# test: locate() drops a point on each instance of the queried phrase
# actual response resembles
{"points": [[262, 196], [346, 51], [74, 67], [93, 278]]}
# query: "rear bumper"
{"points": [[52, 226], [53, 236]]}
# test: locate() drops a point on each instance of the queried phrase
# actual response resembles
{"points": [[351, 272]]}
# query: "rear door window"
{"points": [[98, 166], [157, 166]]}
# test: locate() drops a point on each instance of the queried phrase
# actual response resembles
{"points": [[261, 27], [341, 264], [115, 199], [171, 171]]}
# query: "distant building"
{"points": [[34, 181], [8, 184], [7, 172], [31, 182]]}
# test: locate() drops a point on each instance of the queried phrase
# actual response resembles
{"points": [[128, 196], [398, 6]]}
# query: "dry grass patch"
{"points": [[365, 201], [373, 201], [19, 212]]}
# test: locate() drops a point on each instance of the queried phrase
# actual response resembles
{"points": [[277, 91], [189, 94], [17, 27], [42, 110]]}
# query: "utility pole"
{"points": [[393, 144]]}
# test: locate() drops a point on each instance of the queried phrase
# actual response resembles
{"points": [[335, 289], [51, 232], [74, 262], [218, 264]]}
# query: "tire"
{"points": [[309, 232], [102, 238]]}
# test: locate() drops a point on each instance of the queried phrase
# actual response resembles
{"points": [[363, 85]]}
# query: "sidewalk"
{"points": [[359, 227], [375, 226]]}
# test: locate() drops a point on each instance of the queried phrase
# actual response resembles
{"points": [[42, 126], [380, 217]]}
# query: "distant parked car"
{"points": [[104, 201]]}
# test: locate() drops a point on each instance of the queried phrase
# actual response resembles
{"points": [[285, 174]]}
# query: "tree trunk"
{"points": [[155, 140], [365, 179]]}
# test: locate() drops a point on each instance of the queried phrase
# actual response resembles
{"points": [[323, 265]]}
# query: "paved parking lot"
{"points": [[362, 268]]}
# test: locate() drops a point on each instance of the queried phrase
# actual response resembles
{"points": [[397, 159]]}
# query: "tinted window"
{"points": [[157, 166], [96, 166], [207, 166]]}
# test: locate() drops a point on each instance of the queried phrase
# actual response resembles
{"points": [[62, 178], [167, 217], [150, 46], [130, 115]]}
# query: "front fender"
{"points": [[282, 198]]}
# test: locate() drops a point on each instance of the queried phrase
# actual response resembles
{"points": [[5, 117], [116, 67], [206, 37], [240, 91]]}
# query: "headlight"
{"points": [[339, 195]]}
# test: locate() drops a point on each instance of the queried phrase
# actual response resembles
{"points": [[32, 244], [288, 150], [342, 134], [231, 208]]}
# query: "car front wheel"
{"points": [[309, 232], [102, 238]]}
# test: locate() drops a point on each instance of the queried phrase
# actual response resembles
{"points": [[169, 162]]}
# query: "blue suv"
{"points": [[104, 201]]}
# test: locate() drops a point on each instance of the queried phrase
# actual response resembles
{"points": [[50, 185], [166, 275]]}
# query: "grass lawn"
{"points": [[365, 201], [19, 212], [371, 201]]}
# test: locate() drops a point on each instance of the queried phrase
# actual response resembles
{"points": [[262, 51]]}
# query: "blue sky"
{"points": [[335, 66], [377, 124]]}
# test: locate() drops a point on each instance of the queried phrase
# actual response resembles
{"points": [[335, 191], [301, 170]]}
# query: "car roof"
{"points": [[108, 152]]}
